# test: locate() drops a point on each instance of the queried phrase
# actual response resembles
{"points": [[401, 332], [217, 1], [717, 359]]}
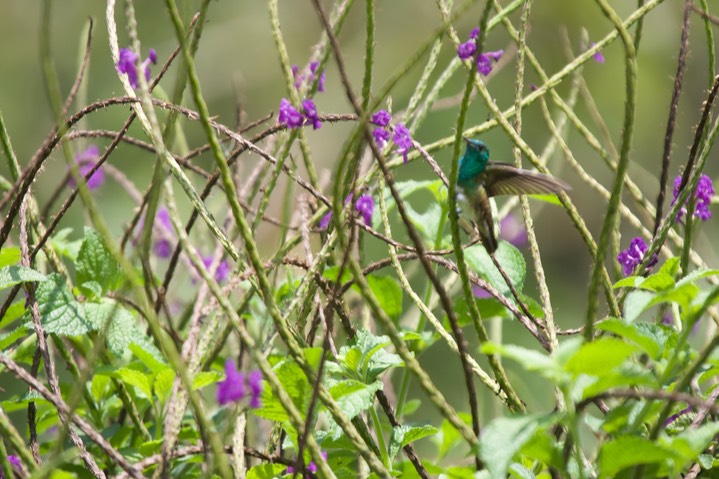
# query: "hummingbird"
{"points": [[479, 179]]}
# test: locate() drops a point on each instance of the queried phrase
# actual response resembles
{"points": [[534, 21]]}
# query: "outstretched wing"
{"points": [[507, 179]]}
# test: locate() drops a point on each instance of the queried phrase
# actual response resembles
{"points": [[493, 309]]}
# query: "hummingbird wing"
{"points": [[507, 179]]}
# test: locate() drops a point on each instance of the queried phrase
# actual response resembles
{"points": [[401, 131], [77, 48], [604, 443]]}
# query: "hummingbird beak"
{"points": [[465, 139]]}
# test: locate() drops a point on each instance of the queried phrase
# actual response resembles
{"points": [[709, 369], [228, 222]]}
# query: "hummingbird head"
{"points": [[474, 161]]}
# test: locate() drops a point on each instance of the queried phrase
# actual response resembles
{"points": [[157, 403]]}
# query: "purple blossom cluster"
{"points": [[311, 467], [14, 462], [364, 206], [292, 117], [128, 64], [400, 134], [485, 61], [236, 386], [703, 194], [633, 255], [598, 56], [308, 76], [86, 160]]}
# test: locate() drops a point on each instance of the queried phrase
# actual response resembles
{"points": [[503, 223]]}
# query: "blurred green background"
{"points": [[237, 61]]}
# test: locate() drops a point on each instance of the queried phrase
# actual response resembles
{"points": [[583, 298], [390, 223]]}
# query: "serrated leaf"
{"points": [[60, 313], [16, 274], [154, 363], [163, 383], [403, 435], [16, 334], [352, 397], [504, 437], [692, 442], [135, 378], [265, 471], [600, 357], [406, 188], [15, 311], [96, 263], [650, 337], [98, 386], [365, 359], [628, 451], [295, 383], [509, 258], [657, 282], [205, 378], [9, 255]]}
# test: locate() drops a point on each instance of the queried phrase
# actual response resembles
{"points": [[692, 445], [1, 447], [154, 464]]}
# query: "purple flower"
{"points": [[466, 50], [163, 216], [127, 64], [289, 116], [86, 161], [223, 269], [479, 292], [325, 221], [311, 467], [254, 382], [403, 140], [512, 230], [484, 61], [308, 76], [232, 389], [310, 111], [14, 462], [633, 255], [598, 57], [381, 136], [703, 194], [365, 206], [381, 118], [676, 416], [163, 248], [323, 76]]}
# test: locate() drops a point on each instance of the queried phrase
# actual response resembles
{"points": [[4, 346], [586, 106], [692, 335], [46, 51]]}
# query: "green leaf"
{"points": [[509, 257], [353, 397], [96, 263], [636, 303], [365, 359], [6, 340], [657, 282], [502, 438], [530, 359], [9, 255], [670, 266], [205, 378], [406, 188], [427, 223], [692, 442], [60, 313], [389, 294], [551, 199], [12, 275], [628, 451], [403, 435], [63, 246], [650, 337], [295, 383], [163, 383], [98, 386], [154, 363], [265, 471], [600, 357], [136, 378]]}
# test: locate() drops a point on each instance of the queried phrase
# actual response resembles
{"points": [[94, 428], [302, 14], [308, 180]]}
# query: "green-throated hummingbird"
{"points": [[479, 179]]}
